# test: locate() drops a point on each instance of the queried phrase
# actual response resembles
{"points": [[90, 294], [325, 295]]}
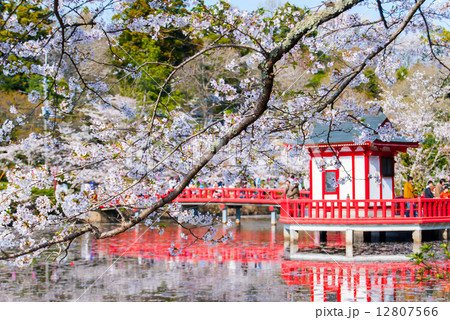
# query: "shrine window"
{"points": [[387, 166], [330, 178]]}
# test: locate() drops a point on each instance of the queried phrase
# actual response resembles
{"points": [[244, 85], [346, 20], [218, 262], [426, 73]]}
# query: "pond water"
{"points": [[137, 266]]}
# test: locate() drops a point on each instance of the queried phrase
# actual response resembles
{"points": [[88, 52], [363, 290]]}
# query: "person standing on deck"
{"points": [[408, 193], [292, 191], [286, 189], [428, 193], [445, 194], [242, 185], [438, 188], [306, 183], [258, 181]]}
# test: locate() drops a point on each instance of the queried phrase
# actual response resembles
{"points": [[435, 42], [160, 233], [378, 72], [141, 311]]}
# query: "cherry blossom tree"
{"points": [[420, 112], [130, 148]]}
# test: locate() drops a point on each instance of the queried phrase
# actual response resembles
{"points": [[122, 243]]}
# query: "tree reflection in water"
{"points": [[137, 266]]}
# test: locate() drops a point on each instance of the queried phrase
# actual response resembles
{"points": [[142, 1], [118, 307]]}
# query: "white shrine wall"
{"points": [[316, 180], [374, 173], [388, 188], [377, 191], [346, 170], [360, 179]]}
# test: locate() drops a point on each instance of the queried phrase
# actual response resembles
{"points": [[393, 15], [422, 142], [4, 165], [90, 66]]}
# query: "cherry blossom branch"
{"points": [[267, 71], [181, 65], [240, 129], [361, 67], [380, 11], [2, 27], [430, 42], [46, 244]]}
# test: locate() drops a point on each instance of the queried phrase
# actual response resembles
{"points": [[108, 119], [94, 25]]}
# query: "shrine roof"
{"points": [[349, 131]]}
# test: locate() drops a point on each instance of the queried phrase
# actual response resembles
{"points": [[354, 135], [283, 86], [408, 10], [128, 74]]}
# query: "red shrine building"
{"points": [[352, 188], [364, 170], [351, 191]]}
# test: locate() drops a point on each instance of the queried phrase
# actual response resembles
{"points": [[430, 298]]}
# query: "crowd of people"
{"points": [[258, 182], [292, 185], [438, 191]]}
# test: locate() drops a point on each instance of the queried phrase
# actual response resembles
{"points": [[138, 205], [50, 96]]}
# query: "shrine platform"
{"points": [[355, 217]]}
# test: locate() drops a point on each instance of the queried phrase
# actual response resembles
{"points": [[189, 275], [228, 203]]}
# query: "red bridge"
{"points": [[254, 196], [235, 198], [232, 196]]}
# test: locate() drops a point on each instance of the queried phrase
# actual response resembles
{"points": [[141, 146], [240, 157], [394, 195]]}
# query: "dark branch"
{"points": [[380, 10]]}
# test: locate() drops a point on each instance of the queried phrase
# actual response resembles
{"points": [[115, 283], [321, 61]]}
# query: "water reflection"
{"points": [[260, 246], [387, 282], [137, 266]]}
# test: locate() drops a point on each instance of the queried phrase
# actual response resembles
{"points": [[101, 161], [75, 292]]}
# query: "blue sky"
{"points": [[254, 4]]}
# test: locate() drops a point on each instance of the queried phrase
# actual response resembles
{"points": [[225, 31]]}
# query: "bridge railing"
{"points": [[224, 195], [251, 195], [369, 211]]}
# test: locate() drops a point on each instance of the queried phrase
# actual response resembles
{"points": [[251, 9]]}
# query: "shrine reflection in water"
{"points": [[137, 266]]}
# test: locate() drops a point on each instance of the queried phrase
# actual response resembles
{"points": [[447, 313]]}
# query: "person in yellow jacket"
{"points": [[408, 193]]}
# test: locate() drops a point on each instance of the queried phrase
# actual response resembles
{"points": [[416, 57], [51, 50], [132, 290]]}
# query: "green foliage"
{"points": [[281, 32], [20, 101], [433, 144], [372, 87], [433, 159], [429, 260], [137, 49], [402, 73], [43, 192], [316, 79], [26, 14], [439, 35]]}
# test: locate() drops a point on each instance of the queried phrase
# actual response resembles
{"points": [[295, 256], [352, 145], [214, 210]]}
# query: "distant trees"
{"points": [[21, 23], [421, 113], [151, 56]]}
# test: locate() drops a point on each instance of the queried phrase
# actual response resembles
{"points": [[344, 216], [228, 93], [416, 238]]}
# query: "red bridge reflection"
{"points": [[260, 245], [320, 281], [152, 245]]}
